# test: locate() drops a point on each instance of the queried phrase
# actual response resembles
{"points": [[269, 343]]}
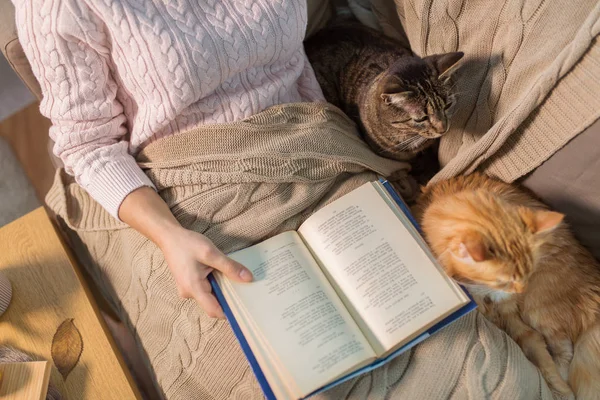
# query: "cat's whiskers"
{"points": [[406, 143], [442, 254], [401, 145], [410, 143], [420, 140]]}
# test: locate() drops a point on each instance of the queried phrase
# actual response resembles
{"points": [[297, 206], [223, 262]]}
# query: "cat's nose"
{"points": [[440, 125]]}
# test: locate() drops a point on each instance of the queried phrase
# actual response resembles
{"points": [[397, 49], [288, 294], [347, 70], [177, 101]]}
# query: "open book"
{"points": [[355, 286]]}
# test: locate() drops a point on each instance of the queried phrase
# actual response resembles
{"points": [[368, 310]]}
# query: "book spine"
{"points": [[260, 376], [403, 206]]}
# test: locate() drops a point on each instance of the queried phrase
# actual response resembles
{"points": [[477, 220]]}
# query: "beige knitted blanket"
{"points": [[529, 82], [238, 184]]}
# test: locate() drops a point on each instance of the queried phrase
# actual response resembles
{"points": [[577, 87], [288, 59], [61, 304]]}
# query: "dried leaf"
{"points": [[67, 347]]}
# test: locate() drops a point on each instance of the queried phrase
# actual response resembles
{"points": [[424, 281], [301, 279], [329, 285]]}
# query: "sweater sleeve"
{"points": [[67, 47]]}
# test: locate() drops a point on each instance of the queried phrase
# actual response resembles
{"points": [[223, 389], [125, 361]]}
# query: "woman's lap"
{"points": [[569, 182]]}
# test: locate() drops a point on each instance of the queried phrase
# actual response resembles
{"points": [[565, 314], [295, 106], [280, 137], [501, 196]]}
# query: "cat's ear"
{"points": [[443, 63], [471, 250], [397, 99], [393, 91], [391, 84], [547, 220]]}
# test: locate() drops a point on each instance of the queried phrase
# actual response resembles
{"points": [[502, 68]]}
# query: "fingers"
{"points": [[203, 295], [214, 258]]}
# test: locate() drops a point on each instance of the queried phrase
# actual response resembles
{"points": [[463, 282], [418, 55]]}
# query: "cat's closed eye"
{"points": [[421, 119]]}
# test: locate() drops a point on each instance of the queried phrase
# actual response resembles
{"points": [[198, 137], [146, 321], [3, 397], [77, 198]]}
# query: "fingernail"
{"points": [[245, 275]]}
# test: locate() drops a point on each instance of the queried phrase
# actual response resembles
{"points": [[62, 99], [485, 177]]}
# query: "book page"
{"points": [[280, 382], [298, 313], [417, 236], [389, 283]]}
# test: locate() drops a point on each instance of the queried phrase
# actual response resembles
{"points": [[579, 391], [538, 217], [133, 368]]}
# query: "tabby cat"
{"points": [[525, 270], [401, 102]]}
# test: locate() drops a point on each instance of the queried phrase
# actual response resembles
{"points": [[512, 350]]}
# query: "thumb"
{"points": [[230, 268]]}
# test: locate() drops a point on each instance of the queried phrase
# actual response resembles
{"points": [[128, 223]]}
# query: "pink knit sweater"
{"points": [[117, 75]]}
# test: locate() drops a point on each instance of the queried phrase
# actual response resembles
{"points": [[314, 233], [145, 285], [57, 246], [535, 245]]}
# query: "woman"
{"points": [[117, 76]]}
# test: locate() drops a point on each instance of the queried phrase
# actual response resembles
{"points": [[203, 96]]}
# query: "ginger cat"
{"points": [[525, 270]]}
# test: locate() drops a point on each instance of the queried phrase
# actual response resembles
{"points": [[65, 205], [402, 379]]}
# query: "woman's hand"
{"points": [[190, 256]]}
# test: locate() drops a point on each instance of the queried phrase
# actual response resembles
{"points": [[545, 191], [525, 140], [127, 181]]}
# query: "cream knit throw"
{"points": [[239, 183], [530, 79]]}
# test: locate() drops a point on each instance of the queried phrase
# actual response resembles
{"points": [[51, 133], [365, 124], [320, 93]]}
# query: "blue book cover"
{"points": [[264, 384]]}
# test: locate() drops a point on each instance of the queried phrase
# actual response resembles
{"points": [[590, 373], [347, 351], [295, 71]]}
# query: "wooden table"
{"points": [[47, 290]]}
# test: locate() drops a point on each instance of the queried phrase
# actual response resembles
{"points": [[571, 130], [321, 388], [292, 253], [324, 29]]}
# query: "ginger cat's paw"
{"points": [[560, 387]]}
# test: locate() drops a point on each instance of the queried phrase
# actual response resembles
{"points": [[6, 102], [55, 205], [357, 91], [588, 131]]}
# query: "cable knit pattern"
{"points": [[117, 75]]}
